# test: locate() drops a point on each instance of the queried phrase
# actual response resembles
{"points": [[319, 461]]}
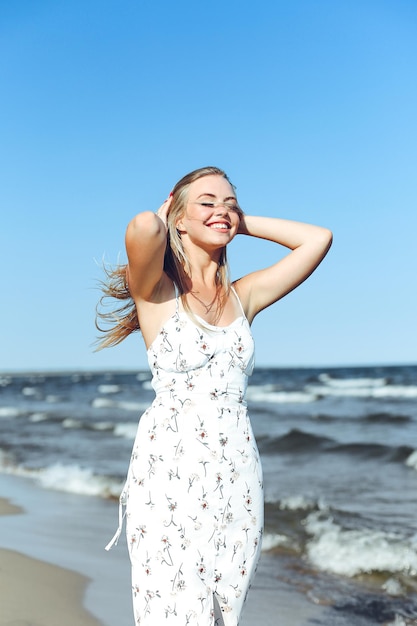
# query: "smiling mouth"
{"points": [[219, 226]]}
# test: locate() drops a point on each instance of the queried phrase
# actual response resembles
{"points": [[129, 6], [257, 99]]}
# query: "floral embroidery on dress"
{"points": [[194, 499]]}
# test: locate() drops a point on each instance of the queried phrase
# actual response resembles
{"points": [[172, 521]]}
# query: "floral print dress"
{"points": [[194, 498]]}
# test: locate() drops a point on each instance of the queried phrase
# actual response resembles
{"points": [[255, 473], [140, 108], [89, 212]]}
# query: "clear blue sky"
{"points": [[309, 105]]}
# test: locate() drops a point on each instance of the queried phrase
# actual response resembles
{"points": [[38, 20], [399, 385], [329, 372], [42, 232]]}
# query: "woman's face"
{"points": [[212, 214]]}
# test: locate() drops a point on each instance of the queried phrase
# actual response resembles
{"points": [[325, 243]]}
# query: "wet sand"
{"points": [[39, 594]]}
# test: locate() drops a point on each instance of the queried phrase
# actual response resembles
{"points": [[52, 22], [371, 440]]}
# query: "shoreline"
{"points": [[51, 535], [37, 592], [59, 531]]}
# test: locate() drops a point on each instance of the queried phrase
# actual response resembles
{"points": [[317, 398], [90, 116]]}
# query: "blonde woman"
{"points": [[193, 495]]}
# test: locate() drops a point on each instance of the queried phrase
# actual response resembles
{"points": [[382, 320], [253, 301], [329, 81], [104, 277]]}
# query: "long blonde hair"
{"points": [[123, 320]]}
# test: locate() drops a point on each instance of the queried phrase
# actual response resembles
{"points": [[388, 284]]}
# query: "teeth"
{"points": [[219, 226]]}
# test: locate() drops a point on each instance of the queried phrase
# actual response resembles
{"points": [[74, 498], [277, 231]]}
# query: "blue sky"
{"points": [[309, 105]]}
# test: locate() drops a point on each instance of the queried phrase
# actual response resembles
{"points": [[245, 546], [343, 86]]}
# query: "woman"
{"points": [[193, 496]]}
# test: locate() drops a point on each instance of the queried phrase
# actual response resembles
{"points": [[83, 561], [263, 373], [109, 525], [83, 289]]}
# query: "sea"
{"points": [[339, 454]]}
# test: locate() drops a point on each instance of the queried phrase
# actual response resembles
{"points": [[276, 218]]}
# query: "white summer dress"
{"points": [[194, 496]]}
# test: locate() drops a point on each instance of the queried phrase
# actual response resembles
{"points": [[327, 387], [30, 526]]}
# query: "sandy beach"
{"points": [[37, 593]]}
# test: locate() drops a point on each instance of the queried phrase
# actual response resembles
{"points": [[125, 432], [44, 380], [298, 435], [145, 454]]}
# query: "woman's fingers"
{"points": [[163, 210]]}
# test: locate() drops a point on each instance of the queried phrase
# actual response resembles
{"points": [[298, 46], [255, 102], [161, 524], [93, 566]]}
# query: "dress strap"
{"points": [[238, 299], [177, 296]]}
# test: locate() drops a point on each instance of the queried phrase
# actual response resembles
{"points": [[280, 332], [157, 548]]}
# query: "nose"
{"points": [[223, 211]]}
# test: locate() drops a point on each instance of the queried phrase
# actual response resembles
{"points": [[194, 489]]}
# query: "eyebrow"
{"points": [[212, 195]]}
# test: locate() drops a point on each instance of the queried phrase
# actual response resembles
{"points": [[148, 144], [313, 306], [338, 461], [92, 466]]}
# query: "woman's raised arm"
{"points": [[308, 244], [146, 240]]}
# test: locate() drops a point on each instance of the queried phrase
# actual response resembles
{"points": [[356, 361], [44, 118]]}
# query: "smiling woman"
{"points": [[194, 493]]}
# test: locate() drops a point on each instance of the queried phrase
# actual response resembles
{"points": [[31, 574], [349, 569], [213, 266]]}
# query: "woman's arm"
{"points": [[146, 240], [308, 244]]}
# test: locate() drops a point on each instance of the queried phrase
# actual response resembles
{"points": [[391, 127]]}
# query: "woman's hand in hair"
{"points": [[163, 211]]}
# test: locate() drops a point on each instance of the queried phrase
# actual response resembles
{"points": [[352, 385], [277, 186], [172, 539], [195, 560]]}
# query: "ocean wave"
{"points": [[301, 442], [411, 461], [30, 391], [273, 540], [104, 426], [67, 478], [293, 441], [126, 430], [38, 417], [353, 552], [381, 417], [72, 423], [372, 451], [347, 383], [108, 389], [266, 393], [11, 411], [53, 399], [141, 376], [107, 403], [402, 621], [386, 418], [297, 503], [363, 388], [76, 479]]}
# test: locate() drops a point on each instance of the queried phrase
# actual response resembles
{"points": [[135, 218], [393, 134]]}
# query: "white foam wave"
{"points": [[352, 382], [126, 430], [71, 423], [68, 478], [107, 403], [273, 540], [396, 391], [133, 406], [102, 403], [100, 426], [75, 479], [412, 460], [393, 587], [10, 411], [38, 417], [296, 503], [363, 391], [29, 391], [103, 426], [402, 621], [352, 552], [108, 389], [265, 394]]}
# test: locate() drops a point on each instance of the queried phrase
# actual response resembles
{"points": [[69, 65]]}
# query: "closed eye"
{"points": [[228, 205]]}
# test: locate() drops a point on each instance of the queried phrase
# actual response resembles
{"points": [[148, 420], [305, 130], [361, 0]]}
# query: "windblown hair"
{"points": [[123, 320]]}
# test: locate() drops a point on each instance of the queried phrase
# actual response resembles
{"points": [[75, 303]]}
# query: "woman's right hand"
{"points": [[163, 211]]}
